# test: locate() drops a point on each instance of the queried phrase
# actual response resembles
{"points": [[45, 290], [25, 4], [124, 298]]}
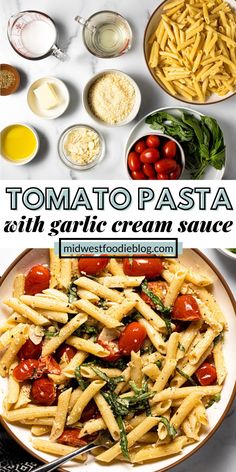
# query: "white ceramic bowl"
{"points": [[61, 91], [28, 159], [135, 109], [228, 253], [152, 132], [150, 29], [216, 414]]}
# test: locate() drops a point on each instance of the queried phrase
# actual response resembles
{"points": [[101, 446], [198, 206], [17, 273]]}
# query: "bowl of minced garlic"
{"points": [[112, 98], [81, 147], [9, 79]]}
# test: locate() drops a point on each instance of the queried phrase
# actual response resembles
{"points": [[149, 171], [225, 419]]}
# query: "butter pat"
{"points": [[46, 96]]}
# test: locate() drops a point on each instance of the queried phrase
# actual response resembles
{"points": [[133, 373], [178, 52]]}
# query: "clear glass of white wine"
{"points": [[106, 34]]}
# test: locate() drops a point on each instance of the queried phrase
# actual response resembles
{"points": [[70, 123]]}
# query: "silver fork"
{"points": [[101, 441]]}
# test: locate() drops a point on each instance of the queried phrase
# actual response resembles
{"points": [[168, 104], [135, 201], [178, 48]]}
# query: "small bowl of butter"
{"points": [[81, 147], [48, 97]]}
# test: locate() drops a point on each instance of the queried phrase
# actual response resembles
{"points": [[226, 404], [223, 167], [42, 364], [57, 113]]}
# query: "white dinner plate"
{"points": [[216, 413], [143, 129]]}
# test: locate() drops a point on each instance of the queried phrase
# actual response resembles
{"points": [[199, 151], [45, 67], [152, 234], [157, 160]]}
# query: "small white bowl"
{"points": [[228, 253], [28, 159], [60, 89], [143, 136], [135, 109]]}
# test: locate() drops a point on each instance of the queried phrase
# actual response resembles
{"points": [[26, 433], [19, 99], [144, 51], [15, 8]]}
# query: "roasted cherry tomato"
{"points": [[148, 266], [29, 350], [138, 175], [66, 351], [37, 280], [186, 309], [43, 392], [140, 146], [90, 412], [158, 288], [132, 338], [165, 166], [93, 265], [150, 155], [149, 170], [25, 370], [163, 177], [113, 348], [176, 173], [169, 150], [153, 141], [70, 437], [48, 365], [134, 162], [206, 374]]}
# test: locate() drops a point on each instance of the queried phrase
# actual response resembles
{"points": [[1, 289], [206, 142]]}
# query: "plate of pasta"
{"points": [[190, 49], [138, 348]]}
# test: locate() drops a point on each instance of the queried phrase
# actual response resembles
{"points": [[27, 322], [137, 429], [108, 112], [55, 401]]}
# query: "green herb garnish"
{"points": [[86, 329], [51, 334], [213, 400], [218, 339], [83, 384], [181, 347], [112, 382], [123, 438], [72, 291], [165, 311], [159, 363], [170, 428], [186, 376]]}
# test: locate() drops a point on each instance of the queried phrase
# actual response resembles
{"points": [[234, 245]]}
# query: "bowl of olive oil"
{"points": [[19, 143]]}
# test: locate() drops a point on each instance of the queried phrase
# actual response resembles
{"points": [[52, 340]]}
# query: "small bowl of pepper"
{"points": [[9, 79]]}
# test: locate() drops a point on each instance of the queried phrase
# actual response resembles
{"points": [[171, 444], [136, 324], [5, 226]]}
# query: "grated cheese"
{"points": [[111, 98]]}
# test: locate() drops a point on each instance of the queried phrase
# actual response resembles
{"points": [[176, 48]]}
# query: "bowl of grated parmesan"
{"points": [[81, 147], [112, 98]]}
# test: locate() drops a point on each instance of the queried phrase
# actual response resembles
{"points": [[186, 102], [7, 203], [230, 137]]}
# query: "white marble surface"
{"points": [[219, 454], [76, 72]]}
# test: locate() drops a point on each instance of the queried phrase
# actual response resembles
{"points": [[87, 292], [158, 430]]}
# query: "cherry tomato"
{"points": [[169, 150], [70, 437], [153, 141], [66, 351], [29, 350], [26, 369], [148, 266], [93, 265], [37, 280], [206, 374], [90, 412], [43, 392], [132, 338], [48, 365], [140, 146], [186, 309], [176, 173], [163, 177], [150, 155], [138, 175], [165, 166], [134, 161], [159, 288], [113, 348], [149, 170]]}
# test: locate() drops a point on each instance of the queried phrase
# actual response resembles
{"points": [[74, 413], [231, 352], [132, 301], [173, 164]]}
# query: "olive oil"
{"points": [[18, 143]]}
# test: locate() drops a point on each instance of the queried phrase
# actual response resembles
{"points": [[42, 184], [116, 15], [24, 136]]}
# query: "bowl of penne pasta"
{"points": [[190, 49], [138, 347]]}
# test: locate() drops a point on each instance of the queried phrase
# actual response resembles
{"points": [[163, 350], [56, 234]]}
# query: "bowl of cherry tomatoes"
{"points": [[155, 157]]}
